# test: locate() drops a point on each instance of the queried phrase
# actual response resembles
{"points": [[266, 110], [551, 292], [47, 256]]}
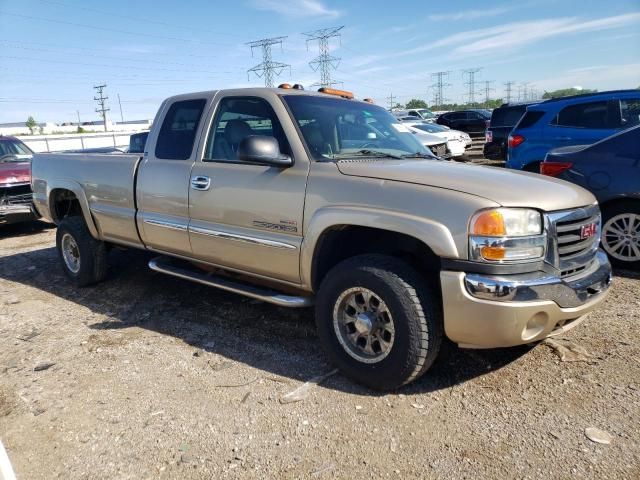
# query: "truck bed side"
{"points": [[104, 186]]}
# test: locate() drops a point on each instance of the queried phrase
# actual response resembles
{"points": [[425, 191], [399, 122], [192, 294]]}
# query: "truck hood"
{"points": [[14, 172], [508, 188]]}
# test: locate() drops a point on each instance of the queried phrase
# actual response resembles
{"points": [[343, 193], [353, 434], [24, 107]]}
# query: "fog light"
{"points": [[535, 326]]}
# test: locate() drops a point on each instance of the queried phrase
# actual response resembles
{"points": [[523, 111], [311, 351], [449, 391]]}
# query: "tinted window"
{"points": [[630, 110], [178, 131], [456, 116], [530, 119], [596, 115], [238, 118], [507, 116]]}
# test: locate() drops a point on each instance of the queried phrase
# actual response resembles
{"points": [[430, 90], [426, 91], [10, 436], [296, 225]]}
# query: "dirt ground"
{"points": [[146, 376]]}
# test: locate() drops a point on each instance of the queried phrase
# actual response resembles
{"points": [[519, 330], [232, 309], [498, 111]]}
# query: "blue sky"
{"points": [[53, 51]]}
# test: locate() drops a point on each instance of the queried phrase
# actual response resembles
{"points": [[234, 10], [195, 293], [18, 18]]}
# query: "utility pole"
{"points": [[487, 91], [441, 82], [120, 103], [268, 68], [391, 104], [78, 113], [324, 62], [101, 99], [509, 86], [471, 84]]}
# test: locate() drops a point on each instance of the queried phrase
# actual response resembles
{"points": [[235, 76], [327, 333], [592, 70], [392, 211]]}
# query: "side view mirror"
{"points": [[263, 150]]}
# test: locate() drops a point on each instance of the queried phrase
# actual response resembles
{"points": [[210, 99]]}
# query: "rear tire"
{"points": [[379, 321], [83, 258], [533, 167], [621, 234]]}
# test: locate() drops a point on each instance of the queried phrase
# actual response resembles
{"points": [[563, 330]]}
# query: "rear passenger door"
{"points": [[163, 178], [585, 123]]}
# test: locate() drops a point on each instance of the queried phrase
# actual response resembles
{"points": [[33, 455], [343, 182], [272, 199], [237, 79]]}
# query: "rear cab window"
{"points": [[179, 129]]}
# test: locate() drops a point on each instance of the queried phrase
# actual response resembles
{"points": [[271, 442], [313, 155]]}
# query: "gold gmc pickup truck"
{"points": [[299, 198]]}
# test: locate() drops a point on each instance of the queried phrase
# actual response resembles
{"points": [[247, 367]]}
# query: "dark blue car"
{"points": [[565, 121], [610, 169]]}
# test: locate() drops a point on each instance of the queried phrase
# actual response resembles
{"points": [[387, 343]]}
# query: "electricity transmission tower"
{"points": [[487, 91], [441, 82], [525, 91], [509, 87], [101, 99], [324, 62], [471, 84], [268, 68]]}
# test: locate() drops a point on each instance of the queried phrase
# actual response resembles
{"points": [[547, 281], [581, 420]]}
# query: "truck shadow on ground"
{"points": [[23, 229], [275, 340]]}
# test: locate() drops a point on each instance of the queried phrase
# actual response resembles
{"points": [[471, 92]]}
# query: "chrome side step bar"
{"points": [[181, 270]]}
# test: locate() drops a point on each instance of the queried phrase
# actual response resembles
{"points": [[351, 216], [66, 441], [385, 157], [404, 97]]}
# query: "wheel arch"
{"points": [[337, 233], [70, 194]]}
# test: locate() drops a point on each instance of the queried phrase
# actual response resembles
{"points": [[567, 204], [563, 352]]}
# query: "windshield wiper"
{"points": [[377, 153], [418, 155]]}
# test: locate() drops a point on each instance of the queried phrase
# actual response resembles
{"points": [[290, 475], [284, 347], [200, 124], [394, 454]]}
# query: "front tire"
{"points": [[379, 321], [83, 258], [621, 234]]}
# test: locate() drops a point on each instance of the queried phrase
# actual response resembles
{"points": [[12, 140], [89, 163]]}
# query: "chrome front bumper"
{"points": [[16, 213], [490, 311], [566, 292]]}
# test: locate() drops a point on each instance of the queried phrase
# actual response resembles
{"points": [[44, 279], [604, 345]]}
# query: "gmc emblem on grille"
{"points": [[588, 231]]}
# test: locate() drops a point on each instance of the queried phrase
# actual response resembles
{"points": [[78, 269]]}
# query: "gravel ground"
{"points": [[147, 376]]}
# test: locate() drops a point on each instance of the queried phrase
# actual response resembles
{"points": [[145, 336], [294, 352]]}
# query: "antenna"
{"points": [[325, 62], [268, 68]]}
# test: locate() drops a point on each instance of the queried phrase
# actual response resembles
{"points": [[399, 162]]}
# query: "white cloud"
{"points": [[602, 77], [470, 14], [299, 8]]}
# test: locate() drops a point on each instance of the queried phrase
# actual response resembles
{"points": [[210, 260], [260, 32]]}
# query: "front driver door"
{"points": [[244, 216]]}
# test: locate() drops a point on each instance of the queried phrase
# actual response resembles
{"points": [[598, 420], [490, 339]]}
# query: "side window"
{"points": [[238, 118], [594, 115], [630, 110], [178, 131]]}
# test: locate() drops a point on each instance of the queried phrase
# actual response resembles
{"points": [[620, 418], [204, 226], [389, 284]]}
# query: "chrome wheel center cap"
{"points": [[364, 323]]}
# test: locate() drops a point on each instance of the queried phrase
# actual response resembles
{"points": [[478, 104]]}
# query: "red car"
{"points": [[16, 203]]}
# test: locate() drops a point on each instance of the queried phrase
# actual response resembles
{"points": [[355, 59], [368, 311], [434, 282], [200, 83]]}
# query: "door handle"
{"points": [[200, 182]]}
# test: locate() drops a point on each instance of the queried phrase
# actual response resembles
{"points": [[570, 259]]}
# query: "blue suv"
{"points": [[566, 121]]}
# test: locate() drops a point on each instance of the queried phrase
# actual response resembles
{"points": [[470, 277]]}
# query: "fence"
{"points": [[56, 143]]}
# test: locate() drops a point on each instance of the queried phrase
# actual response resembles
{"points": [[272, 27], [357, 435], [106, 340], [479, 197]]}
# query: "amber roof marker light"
{"points": [[336, 92]]}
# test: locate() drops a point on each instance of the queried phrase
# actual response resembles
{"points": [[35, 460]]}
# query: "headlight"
{"points": [[507, 234]]}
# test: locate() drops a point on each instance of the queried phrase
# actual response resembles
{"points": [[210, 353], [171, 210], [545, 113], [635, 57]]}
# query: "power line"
{"points": [[471, 84], [509, 87], [101, 99], [107, 29], [324, 62], [441, 82], [268, 68]]}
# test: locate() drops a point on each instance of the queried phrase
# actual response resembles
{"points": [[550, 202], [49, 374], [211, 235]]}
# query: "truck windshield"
{"points": [[335, 128], [13, 150]]}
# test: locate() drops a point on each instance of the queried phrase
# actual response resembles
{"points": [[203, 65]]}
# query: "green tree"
{"points": [[416, 103], [31, 124], [564, 92]]}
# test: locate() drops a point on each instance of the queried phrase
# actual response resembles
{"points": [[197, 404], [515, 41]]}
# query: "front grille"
{"points": [[569, 251], [16, 195], [438, 150]]}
